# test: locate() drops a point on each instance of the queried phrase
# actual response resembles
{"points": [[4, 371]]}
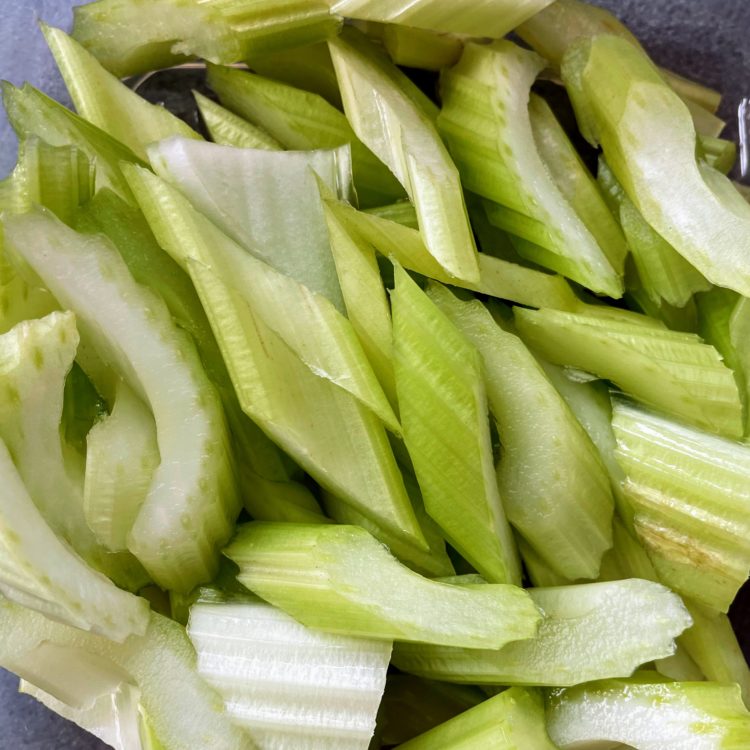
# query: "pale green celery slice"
{"points": [[287, 685], [673, 371], [443, 407], [229, 129], [303, 121], [706, 124], [627, 558], [708, 98], [677, 318], [192, 502], [402, 212], [743, 190], [554, 486], [107, 102], [421, 48], [679, 667], [330, 434], [122, 455], [589, 631], [739, 330], [649, 142], [720, 153], [486, 124], [538, 571], [387, 119], [278, 500], [689, 493], [645, 713], [182, 711], [340, 579]]}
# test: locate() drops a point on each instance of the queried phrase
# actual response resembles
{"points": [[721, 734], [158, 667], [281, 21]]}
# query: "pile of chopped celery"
{"points": [[375, 414]]}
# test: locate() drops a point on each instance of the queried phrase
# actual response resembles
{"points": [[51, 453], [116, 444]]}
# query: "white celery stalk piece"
{"points": [[443, 406], [340, 579], [387, 120], [286, 685], [192, 502]]}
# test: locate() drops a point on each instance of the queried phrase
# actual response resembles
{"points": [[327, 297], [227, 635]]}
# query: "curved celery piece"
{"points": [[303, 121], [387, 119], [443, 407], [341, 580], [675, 372], [229, 129], [553, 483], [287, 685], [687, 489], [421, 48], [589, 632], [192, 502], [305, 414], [647, 714]]}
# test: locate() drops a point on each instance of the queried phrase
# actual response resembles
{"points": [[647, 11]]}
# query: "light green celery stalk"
{"points": [[443, 407], [386, 118], [192, 502], [672, 371], [421, 48], [341, 580], [303, 121], [739, 330], [646, 713], [229, 129], [537, 570], [554, 486], [720, 153], [402, 212], [688, 493], [83, 407], [341, 443], [649, 142], [486, 124]]}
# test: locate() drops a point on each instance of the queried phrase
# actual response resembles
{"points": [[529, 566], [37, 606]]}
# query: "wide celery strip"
{"points": [[388, 120], [589, 631], [443, 408], [341, 443], [688, 491], [672, 371], [229, 129], [420, 48], [341, 580], [129, 326], [645, 713], [287, 685], [553, 483]]}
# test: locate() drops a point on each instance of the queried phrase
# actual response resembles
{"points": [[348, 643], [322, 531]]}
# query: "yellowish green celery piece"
{"points": [[669, 370], [689, 495], [341, 443], [739, 331], [192, 502], [303, 121], [402, 212], [421, 48], [386, 118], [341, 580], [719, 153], [555, 489], [708, 98], [486, 123]]}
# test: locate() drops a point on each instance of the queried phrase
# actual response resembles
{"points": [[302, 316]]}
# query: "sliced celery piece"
{"points": [[689, 493], [673, 371], [287, 685], [708, 98], [648, 714], [192, 502], [444, 417], [402, 212], [679, 667], [537, 570], [83, 407], [706, 124], [421, 48], [269, 500], [554, 486], [720, 153], [739, 330], [341, 580]]}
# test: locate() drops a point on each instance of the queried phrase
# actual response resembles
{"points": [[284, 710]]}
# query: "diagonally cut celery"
{"points": [[402, 212], [420, 48], [341, 580], [719, 153]]}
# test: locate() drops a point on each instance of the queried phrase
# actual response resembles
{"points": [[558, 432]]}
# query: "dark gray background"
{"points": [[703, 39]]}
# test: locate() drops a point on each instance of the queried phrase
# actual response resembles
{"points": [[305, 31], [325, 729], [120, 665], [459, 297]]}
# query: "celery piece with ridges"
{"points": [[688, 491], [305, 414], [285, 684], [486, 123], [421, 48], [649, 142], [669, 370], [341, 580], [446, 430], [646, 713], [387, 119], [553, 483], [192, 502]]}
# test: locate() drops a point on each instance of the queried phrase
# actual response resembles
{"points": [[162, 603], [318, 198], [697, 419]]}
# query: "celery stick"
{"points": [[386, 118], [83, 407], [739, 329], [554, 486], [444, 416], [708, 98], [402, 212], [675, 372], [679, 667], [287, 685], [278, 500], [537, 570], [421, 48], [706, 123], [130, 327], [590, 631], [688, 492], [720, 153], [341, 580]]}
